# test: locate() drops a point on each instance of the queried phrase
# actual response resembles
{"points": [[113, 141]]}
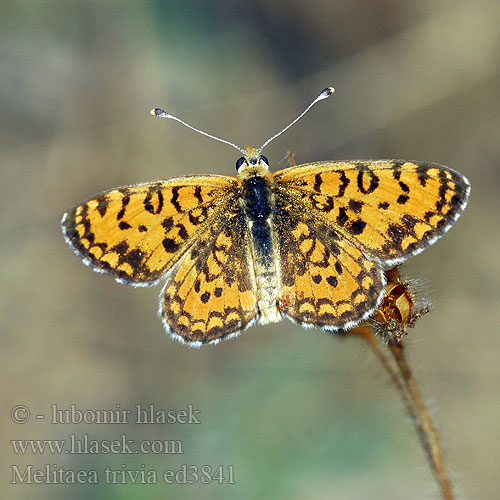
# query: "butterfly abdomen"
{"points": [[257, 201]]}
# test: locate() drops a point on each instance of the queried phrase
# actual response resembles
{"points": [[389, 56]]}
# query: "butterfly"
{"points": [[308, 242]]}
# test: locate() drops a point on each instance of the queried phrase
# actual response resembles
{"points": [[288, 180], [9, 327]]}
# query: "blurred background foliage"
{"points": [[300, 414]]}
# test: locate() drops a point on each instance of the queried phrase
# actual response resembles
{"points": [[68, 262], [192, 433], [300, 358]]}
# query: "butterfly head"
{"points": [[252, 162]]}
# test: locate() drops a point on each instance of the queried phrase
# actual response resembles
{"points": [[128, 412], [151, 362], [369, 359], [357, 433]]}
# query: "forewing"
{"points": [[211, 292], [391, 209], [325, 280], [137, 233]]}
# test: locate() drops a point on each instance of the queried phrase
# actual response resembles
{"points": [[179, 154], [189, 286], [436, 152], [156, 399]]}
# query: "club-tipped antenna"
{"points": [[325, 94], [160, 113]]}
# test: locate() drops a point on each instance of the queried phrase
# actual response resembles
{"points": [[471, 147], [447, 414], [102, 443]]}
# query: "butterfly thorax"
{"points": [[258, 205]]}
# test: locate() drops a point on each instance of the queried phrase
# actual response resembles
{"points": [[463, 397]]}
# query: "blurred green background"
{"points": [[299, 414]]}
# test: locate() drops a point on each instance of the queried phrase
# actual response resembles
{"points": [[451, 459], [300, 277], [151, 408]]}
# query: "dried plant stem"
{"points": [[403, 379], [428, 434], [366, 332]]}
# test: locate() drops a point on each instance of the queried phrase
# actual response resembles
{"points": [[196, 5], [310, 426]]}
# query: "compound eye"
{"points": [[240, 162], [264, 159]]}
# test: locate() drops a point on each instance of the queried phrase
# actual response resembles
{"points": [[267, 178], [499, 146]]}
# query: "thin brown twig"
{"points": [[407, 388], [366, 332], [428, 434]]}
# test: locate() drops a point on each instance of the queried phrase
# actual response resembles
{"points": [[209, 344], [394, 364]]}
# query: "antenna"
{"points": [[160, 113], [325, 94]]}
